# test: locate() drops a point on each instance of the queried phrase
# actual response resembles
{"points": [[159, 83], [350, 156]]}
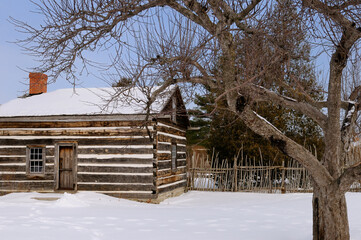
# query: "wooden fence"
{"points": [[247, 176]]}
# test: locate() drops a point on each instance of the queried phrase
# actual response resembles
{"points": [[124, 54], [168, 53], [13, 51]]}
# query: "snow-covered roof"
{"points": [[85, 101]]}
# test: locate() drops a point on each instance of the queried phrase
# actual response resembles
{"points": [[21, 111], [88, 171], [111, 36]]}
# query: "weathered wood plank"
{"points": [[17, 159], [170, 179], [69, 124], [167, 147], [168, 122], [15, 142], [164, 165], [115, 178], [181, 163], [49, 152], [106, 169], [172, 187], [165, 156], [49, 159], [181, 155], [169, 172], [13, 176], [163, 138], [74, 132], [117, 160], [27, 186], [171, 131], [115, 141], [49, 169], [13, 151], [112, 187], [82, 141], [164, 147], [13, 168], [12, 159], [22, 151], [120, 150], [167, 164]]}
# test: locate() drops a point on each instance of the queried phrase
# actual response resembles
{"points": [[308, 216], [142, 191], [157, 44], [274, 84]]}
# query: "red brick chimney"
{"points": [[38, 83]]}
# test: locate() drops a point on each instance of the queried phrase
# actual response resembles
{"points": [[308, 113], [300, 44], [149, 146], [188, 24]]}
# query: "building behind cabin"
{"points": [[78, 141]]}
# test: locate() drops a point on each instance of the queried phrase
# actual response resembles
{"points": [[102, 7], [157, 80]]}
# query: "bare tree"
{"points": [[197, 45]]}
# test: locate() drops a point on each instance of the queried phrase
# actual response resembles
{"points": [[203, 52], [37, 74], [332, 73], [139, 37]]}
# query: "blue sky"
{"points": [[13, 80], [10, 54], [14, 62]]}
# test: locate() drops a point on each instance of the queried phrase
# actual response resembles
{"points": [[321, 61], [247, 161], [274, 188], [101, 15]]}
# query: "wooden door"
{"points": [[66, 175]]}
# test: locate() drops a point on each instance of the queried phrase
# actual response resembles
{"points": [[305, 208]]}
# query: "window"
{"points": [[174, 157], [35, 160]]}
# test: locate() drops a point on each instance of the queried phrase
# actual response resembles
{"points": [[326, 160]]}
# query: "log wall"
{"points": [[13, 175], [113, 157], [168, 179]]}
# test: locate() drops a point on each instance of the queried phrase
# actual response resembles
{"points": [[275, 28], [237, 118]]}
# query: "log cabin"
{"points": [[94, 139]]}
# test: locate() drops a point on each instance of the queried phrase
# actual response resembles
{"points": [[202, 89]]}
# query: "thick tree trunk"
{"points": [[330, 220]]}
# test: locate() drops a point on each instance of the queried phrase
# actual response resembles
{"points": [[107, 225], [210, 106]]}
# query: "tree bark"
{"points": [[329, 214]]}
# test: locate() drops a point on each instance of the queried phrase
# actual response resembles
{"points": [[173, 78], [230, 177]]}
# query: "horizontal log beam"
{"points": [[167, 147], [75, 132], [22, 151], [117, 160], [22, 168], [170, 179], [27, 186], [115, 169], [120, 150], [17, 159], [169, 123], [171, 131], [13, 159], [115, 178], [172, 187], [78, 118], [81, 141], [163, 138], [169, 172], [165, 156], [167, 164], [23, 177], [111, 187]]}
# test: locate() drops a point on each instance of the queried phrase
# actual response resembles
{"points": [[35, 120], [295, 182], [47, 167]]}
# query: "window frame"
{"points": [[28, 160], [173, 158]]}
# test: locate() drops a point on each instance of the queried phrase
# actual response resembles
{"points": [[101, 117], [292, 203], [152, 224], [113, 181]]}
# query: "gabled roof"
{"points": [[86, 101]]}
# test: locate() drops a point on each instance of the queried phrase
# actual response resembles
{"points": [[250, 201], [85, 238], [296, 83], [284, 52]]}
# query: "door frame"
{"points": [[74, 145]]}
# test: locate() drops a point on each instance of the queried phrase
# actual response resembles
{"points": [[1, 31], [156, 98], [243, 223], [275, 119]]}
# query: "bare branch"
{"points": [[328, 11], [226, 14], [261, 94], [262, 127], [202, 18], [248, 9], [347, 4], [349, 176]]}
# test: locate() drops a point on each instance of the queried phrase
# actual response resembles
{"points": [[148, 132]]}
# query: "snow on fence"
{"points": [[247, 176]]}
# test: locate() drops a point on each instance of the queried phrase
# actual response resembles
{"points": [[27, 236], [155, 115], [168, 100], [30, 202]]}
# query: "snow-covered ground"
{"points": [[194, 215]]}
